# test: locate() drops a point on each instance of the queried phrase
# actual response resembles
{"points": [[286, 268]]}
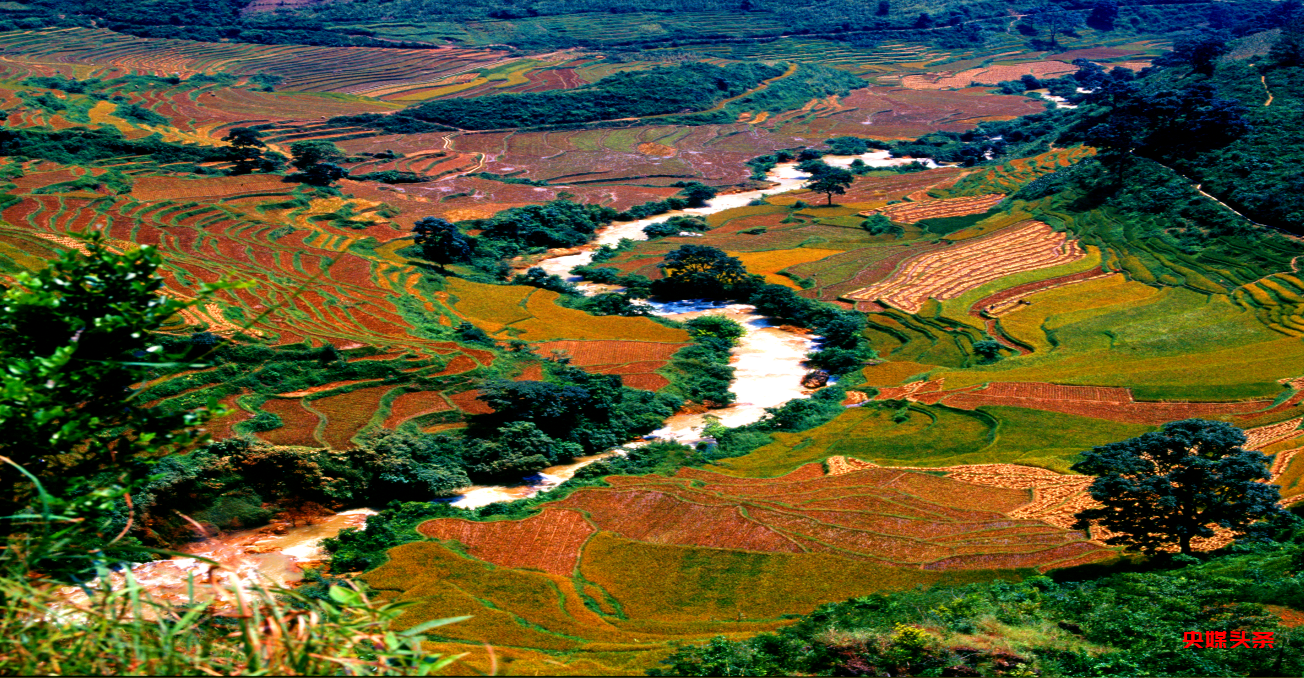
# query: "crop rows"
{"points": [[989, 75], [1278, 302], [1056, 498], [1011, 298], [549, 542], [1112, 403], [304, 68], [949, 272], [1009, 177]]}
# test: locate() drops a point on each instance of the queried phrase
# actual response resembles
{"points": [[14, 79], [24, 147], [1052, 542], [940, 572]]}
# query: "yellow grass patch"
{"points": [[693, 584], [551, 321], [491, 307], [769, 263]]}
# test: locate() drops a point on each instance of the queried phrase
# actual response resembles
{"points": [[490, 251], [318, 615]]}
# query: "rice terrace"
{"points": [[912, 337]]}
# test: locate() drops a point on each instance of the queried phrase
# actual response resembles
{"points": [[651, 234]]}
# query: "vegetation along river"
{"points": [[767, 361]]}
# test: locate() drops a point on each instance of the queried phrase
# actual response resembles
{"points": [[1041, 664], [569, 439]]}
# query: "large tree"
{"points": [[834, 180], [441, 242], [317, 161], [249, 152], [1167, 487], [700, 271]]}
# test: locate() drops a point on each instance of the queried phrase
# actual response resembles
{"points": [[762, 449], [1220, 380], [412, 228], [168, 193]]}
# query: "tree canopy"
{"points": [[699, 271], [1163, 489], [835, 181], [441, 242]]}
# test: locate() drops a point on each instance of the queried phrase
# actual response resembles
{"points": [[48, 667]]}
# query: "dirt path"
{"points": [[1264, 79]]}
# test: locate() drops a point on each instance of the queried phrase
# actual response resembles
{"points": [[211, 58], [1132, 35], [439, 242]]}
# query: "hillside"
{"points": [[549, 287]]}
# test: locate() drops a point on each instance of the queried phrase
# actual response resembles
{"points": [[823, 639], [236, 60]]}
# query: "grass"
{"points": [[1165, 343], [937, 436], [733, 586]]}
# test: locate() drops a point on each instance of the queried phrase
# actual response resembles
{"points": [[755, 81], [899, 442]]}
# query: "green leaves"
{"points": [[75, 344]]}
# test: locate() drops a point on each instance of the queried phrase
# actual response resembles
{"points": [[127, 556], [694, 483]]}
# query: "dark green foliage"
{"points": [[701, 372], [948, 225], [675, 226], [701, 272], [75, 340], [1163, 488], [141, 115], [537, 277], [1199, 50], [242, 483], [559, 223], [441, 242], [1288, 49], [763, 164], [635, 94], [878, 224], [507, 179], [613, 303], [249, 152], [696, 193], [111, 180], [391, 177], [583, 412], [831, 182], [355, 550], [854, 145], [80, 145], [472, 334], [987, 351]]}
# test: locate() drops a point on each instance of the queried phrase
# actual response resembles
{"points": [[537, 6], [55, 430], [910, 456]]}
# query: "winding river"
{"points": [[767, 361]]}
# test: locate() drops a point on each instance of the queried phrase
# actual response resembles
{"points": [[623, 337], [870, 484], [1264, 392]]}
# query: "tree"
{"points": [[441, 242], [1055, 20], [1103, 15], [1164, 488], [248, 150], [316, 160], [76, 340], [834, 181], [305, 154], [699, 271], [1288, 48], [697, 194], [1200, 50]]}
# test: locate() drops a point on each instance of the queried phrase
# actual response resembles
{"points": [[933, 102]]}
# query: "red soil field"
{"points": [[466, 402], [635, 361], [865, 512], [550, 541], [347, 413], [911, 212], [415, 404], [627, 513], [1115, 404], [646, 382], [299, 424], [989, 75]]}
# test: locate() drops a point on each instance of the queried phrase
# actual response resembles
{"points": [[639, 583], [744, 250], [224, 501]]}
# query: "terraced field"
{"points": [[722, 548], [948, 464]]}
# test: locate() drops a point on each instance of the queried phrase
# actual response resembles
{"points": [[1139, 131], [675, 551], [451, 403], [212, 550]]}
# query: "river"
{"points": [[767, 361]]}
